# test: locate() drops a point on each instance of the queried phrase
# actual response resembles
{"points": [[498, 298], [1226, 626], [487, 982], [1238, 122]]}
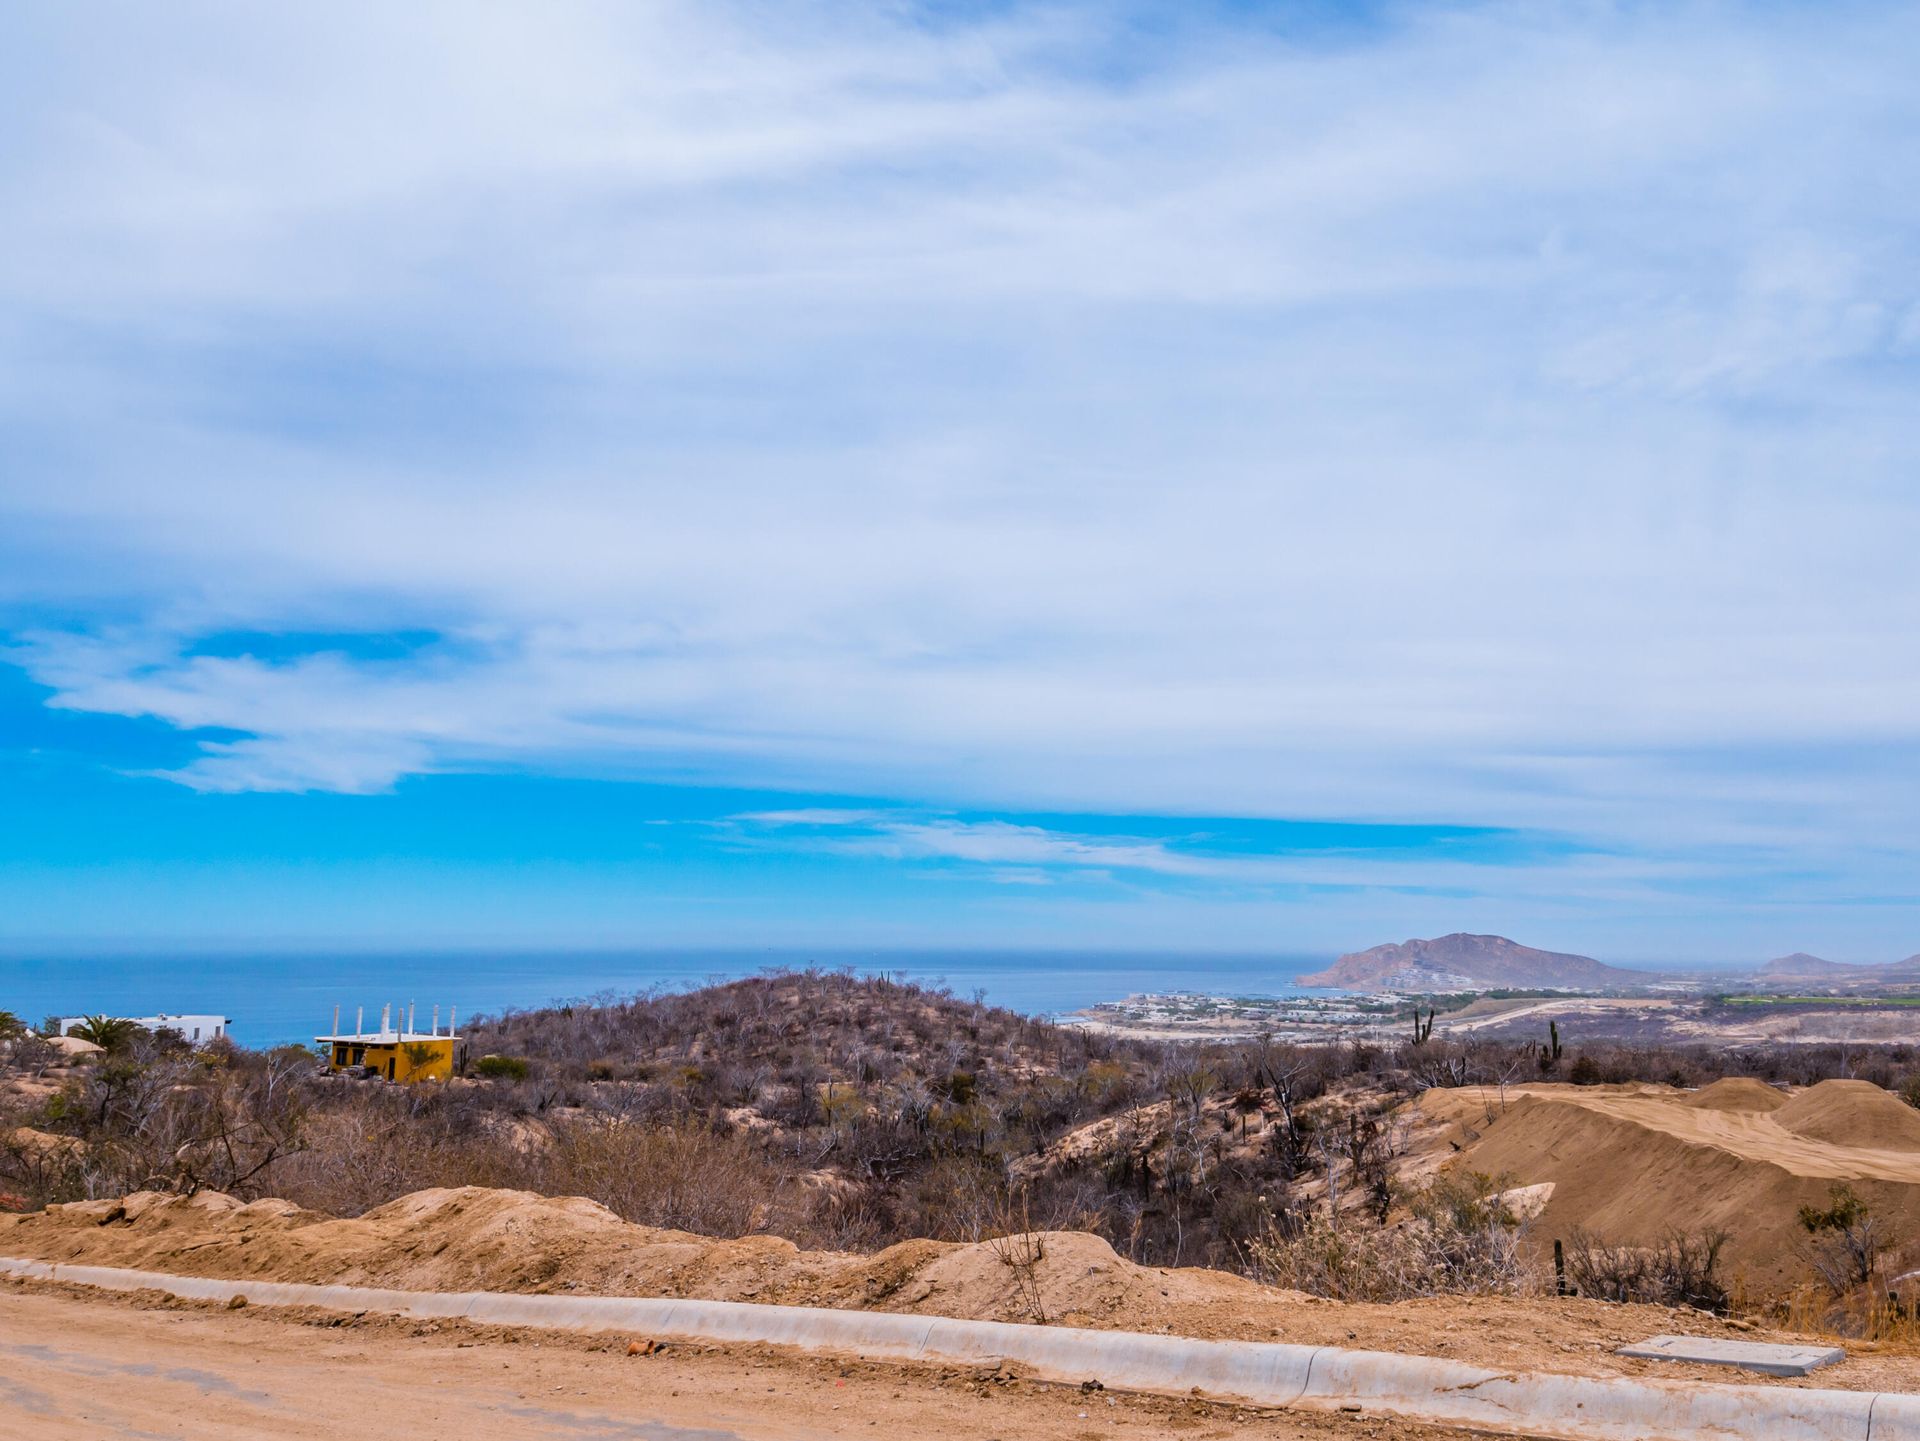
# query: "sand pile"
{"points": [[1738, 1094], [476, 1239], [472, 1238], [1852, 1113], [1629, 1162]]}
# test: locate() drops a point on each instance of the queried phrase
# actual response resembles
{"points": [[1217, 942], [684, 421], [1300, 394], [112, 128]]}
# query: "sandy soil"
{"points": [[1628, 1162], [472, 1239], [82, 1366], [1499, 1014]]}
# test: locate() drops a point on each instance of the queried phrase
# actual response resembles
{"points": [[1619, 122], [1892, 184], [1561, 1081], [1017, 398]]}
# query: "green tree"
{"points": [[110, 1033]]}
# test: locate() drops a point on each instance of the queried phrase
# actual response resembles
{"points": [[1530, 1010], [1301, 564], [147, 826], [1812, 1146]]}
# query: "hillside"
{"points": [[842, 1113], [1802, 967], [1462, 961]]}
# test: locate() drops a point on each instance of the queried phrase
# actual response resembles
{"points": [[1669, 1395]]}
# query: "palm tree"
{"points": [[109, 1033], [10, 1025]]}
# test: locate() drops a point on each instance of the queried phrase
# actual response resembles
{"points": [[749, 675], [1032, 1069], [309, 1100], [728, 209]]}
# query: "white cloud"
{"points": [[812, 816], [1003, 843], [1530, 880], [1501, 416]]}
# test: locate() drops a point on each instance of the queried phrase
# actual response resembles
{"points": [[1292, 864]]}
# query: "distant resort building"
{"points": [[197, 1030], [396, 1051]]}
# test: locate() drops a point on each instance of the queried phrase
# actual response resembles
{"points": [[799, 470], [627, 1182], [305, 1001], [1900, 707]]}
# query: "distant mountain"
{"points": [[1463, 962], [1802, 967]]}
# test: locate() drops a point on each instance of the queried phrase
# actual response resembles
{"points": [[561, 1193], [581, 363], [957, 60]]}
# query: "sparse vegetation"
{"points": [[1456, 1236], [850, 1113], [1682, 1268], [1021, 1249], [1843, 1242], [501, 1068]]}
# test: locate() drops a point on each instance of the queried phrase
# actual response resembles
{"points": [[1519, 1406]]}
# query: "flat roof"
{"points": [[386, 1038]]}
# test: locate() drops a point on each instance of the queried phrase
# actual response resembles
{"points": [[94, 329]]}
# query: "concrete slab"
{"points": [[1753, 1355]]}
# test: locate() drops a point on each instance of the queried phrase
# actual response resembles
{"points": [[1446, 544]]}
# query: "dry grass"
{"points": [[677, 1176], [1681, 1269], [1454, 1237]]}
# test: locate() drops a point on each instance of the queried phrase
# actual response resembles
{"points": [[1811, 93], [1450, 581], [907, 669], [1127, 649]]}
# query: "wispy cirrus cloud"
{"points": [[992, 843], [1536, 868]]}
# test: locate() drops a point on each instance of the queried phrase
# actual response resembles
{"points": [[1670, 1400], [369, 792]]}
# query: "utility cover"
{"points": [[1754, 1355]]}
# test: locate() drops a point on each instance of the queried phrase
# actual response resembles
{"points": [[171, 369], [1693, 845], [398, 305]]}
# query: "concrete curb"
{"points": [[1418, 1388]]}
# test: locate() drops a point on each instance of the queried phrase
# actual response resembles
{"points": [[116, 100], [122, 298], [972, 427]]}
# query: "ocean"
{"points": [[277, 999]]}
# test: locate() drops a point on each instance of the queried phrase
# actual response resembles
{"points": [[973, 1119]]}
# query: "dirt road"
{"points": [[81, 1366]]}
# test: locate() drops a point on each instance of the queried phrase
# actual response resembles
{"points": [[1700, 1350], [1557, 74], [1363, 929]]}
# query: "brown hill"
{"points": [[1461, 962], [1802, 967], [1629, 1162]]}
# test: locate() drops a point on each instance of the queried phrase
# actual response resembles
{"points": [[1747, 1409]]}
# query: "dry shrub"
{"points": [[1866, 1315], [1843, 1242], [32, 1173], [682, 1177], [956, 1198], [365, 1156], [679, 1177], [156, 1118], [1851, 1295], [1457, 1237], [1021, 1249], [1680, 1269]]}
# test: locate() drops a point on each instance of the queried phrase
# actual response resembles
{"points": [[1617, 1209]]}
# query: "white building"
{"points": [[197, 1029]]}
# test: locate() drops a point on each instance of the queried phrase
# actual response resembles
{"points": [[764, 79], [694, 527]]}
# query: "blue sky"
{"points": [[1221, 477]]}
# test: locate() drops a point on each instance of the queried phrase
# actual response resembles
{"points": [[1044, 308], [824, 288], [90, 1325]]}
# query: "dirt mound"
{"points": [[1852, 1113], [507, 1240], [477, 1239], [1629, 1164], [1736, 1094]]}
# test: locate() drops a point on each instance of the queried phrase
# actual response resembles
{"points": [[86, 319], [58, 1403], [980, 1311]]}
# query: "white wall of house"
{"points": [[197, 1029]]}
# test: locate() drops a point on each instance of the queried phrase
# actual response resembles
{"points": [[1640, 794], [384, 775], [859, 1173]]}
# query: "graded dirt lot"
{"points": [[89, 1366], [1577, 1015], [1628, 1162]]}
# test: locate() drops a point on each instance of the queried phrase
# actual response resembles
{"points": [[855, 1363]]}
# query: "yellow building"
{"points": [[396, 1051]]}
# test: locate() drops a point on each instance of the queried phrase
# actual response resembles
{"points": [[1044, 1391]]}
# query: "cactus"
{"points": [[1423, 1031], [1550, 1052]]}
